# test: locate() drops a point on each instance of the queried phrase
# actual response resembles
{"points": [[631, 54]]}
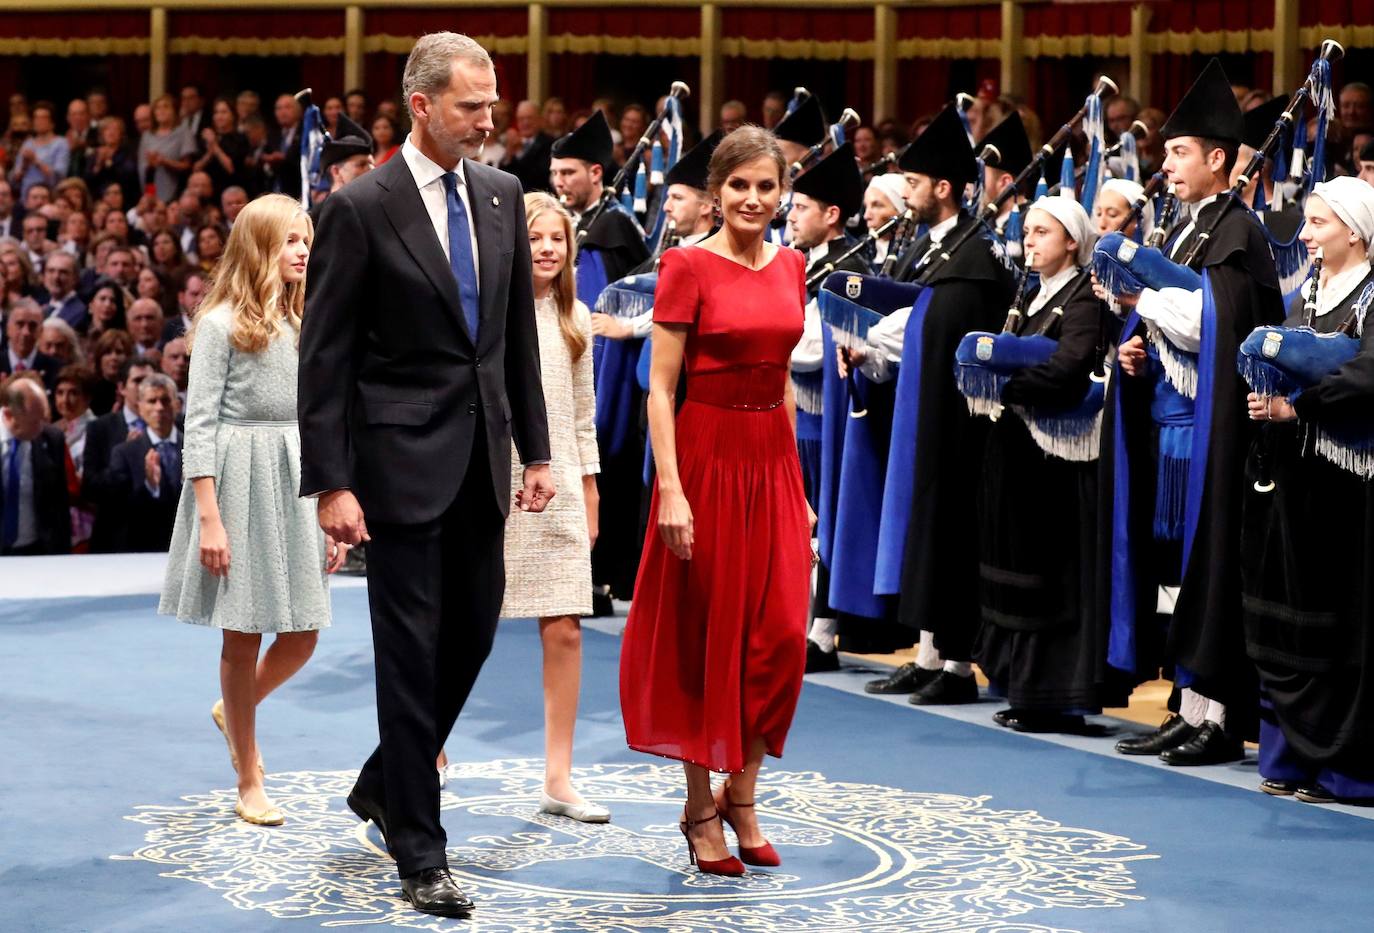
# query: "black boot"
{"points": [[1210, 746], [1172, 733], [946, 690], [818, 659], [906, 679]]}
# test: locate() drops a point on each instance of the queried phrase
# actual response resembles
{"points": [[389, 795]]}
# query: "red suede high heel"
{"points": [[730, 867], [765, 855]]}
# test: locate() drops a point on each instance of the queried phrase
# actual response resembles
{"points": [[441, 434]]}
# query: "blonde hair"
{"points": [[538, 203], [248, 278]]}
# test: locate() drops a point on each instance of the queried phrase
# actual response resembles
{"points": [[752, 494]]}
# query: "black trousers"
{"points": [[435, 593]]}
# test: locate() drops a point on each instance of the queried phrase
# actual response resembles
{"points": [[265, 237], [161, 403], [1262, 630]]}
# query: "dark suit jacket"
{"points": [[46, 366], [286, 177], [392, 388], [103, 435], [532, 165], [52, 517], [149, 519]]}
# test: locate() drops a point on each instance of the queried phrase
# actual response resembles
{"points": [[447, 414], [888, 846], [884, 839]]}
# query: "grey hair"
{"points": [[429, 68], [16, 397], [26, 303], [68, 334], [158, 381]]}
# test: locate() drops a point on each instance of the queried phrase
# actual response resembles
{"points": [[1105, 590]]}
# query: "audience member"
{"points": [[57, 339], [528, 148], [9, 221], [209, 247], [34, 516], [59, 279], [21, 339], [43, 157], [145, 325], [166, 150], [72, 399], [733, 113], [145, 472], [355, 105], [386, 138], [106, 310], [190, 293], [103, 435], [176, 364], [114, 162], [222, 149]]}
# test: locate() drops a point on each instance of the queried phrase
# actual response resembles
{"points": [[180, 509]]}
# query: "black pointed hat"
{"points": [[691, 170], [349, 139], [1209, 109], [590, 142], [805, 126], [1013, 145], [942, 151], [836, 180], [1260, 120]]}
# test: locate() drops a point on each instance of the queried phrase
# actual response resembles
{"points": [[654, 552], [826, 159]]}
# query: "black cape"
{"points": [[1307, 566], [1042, 642], [940, 562], [1206, 636], [836, 248]]}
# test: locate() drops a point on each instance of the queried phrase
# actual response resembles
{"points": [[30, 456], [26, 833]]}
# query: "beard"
{"points": [[454, 145]]}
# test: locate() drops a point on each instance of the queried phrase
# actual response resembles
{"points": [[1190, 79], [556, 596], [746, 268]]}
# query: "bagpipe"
{"points": [[834, 136], [851, 304], [1284, 361], [984, 363], [613, 193], [1105, 87], [312, 140]]}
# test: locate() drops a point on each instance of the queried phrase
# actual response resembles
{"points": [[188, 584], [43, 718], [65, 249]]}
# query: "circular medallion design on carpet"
{"points": [[856, 857]]}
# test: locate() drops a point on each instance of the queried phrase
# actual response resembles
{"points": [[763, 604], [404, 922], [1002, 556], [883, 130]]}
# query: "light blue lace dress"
{"points": [[241, 429]]}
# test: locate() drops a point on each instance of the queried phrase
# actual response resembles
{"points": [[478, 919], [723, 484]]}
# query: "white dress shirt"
{"points": [[1335, 290], [28, 519], [1176, 312], [28, 361], [1049, 287], [428, 177], [156, 491], [885, 338]]}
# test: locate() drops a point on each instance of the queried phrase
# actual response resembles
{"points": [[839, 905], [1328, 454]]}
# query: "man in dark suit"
{"points": [[34, 513], [145, 472], [21, 339], [103, 435], [419, 354], [189, 294], [528, 148]]}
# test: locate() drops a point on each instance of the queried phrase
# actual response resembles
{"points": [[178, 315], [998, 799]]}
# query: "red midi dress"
{"points": [[715, 646]]}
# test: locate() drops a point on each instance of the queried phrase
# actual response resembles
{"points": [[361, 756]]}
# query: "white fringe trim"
{"points": [[1179, 370], [1076, 447], [1357, 460]]}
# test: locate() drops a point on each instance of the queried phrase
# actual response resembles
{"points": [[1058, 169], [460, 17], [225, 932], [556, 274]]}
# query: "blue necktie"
{"points": [[460, 257], [10, 532], [170, 458]]}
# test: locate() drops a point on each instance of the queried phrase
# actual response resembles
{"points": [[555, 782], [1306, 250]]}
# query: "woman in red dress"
{"points": [[715, 647]]}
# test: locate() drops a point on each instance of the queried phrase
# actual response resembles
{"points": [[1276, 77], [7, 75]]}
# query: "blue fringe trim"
{"points": [[1171, 489], [628, 297], [809, 388], [981, 388]]}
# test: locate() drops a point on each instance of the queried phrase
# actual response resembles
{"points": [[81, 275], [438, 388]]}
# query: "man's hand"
{"points": [[1132, 356], [604, 325], [538, 488], [341, 517], [152, 469], [847, 359]]}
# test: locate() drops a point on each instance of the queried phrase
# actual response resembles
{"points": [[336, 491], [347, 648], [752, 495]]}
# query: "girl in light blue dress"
{"points": [[247, 554]]}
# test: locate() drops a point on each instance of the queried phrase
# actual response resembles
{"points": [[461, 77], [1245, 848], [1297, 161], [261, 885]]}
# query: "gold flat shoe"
{"points": [[217, 714], [269, 817]]}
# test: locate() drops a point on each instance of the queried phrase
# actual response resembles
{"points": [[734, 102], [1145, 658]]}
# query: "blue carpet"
{"points": [[116, 804]]}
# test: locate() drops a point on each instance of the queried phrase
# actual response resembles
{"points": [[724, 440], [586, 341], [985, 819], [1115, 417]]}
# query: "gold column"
{"points": [[1287, 55], [537, 56], [710, 90], [884, 63], [1013, 48], [353, 47], [157, 52], [1140, 53]]}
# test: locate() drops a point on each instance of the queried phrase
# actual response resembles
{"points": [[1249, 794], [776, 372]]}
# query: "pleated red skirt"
{"points": [[715, 647]]}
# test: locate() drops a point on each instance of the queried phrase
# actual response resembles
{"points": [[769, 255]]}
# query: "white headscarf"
{"points": [[1352, 200], [1131, 190], [893, 188], [1075, 220]]}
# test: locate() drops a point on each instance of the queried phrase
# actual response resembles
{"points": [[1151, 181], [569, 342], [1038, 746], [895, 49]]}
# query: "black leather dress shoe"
{"points": [[1314, 793], [1171, 734], [432, 891], [1006, 717], [818, 659], [368, 810], [1210, 746], [946, 690], [1042, 721], [906, 679], [1279, 788]]}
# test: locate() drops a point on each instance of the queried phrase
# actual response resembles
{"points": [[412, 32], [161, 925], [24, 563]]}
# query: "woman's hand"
{"points": [[214, 547], [675, 524], [1269, 409], [1133, 357], [591, 498], [334, 554]]}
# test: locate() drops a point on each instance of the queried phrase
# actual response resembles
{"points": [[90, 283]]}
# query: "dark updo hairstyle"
{"points": [[741, 147]]}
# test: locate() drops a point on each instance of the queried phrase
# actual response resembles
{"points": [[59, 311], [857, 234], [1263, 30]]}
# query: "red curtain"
{"points": [[1078, 19], [116, 24], [855, 25], [672, 22], [416, 21], [263, 24], [1336, 12]]}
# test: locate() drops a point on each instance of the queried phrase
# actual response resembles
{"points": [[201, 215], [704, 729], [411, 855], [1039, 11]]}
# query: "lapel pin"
{"points": [[495, 201]]}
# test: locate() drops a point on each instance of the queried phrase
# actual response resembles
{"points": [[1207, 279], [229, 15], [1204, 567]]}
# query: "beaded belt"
{"points": [[743, 388]]}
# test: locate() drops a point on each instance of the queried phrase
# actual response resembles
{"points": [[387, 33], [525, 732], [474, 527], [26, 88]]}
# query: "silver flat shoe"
{"points": [[582, 812]]}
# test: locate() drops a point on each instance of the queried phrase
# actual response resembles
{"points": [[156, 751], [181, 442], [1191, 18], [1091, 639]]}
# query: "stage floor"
{"points": [[116, 803]]}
